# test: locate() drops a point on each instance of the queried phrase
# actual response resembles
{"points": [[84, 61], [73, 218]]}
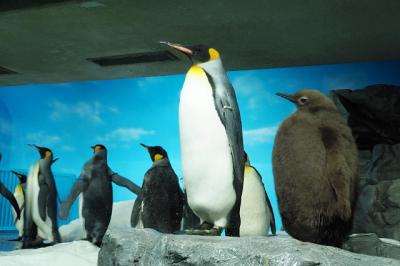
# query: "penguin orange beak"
{"points": [[287, 97], [178, 47]]}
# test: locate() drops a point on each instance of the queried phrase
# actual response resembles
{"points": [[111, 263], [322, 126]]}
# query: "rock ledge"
{"points": [[148, 247]]}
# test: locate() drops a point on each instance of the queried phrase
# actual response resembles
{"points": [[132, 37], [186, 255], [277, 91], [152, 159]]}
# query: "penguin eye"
{"points": [[303, 100]]}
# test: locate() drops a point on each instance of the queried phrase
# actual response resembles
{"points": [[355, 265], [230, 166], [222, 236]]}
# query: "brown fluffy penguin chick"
{"points": [[315, 169]]}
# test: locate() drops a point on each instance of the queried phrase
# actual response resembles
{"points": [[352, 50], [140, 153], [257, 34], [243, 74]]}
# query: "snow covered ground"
{"points": [[73, 251]]}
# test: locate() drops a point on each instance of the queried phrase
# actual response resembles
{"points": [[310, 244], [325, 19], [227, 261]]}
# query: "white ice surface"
{"points": [[77, 252]]}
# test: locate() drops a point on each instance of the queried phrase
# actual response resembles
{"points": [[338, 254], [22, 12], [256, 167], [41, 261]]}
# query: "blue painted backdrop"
{"points": [[120, 114]]}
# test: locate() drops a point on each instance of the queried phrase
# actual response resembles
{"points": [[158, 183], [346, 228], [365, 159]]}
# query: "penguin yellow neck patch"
{"points": [[47, 154], [213, 54], [196, 70], [248, 169], [18, 189], [158, 157]]}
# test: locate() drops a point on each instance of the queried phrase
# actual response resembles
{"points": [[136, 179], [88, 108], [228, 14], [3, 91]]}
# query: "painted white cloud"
{"points": [[260, 135], [255, 90], [125, 134], [42, 139], [83, 110], [68, 148], [148, 82]]}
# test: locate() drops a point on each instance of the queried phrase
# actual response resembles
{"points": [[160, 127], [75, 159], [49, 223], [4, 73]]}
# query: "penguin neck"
{"points": [[213, 66], [100, 155], [318, 109], [162, 162], [46, 162]]}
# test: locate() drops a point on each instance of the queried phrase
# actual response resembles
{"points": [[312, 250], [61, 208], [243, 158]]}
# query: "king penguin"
{"points": [[160, 202], [211, 143], [10, 197], [315, 165], [19, 194], [41, 203], [256, 214], [95, 183]]}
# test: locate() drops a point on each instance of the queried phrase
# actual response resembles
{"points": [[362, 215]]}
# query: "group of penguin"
{"points": [[314, 167]]}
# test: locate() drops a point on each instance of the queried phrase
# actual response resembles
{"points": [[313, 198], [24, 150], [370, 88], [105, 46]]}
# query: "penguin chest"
{"points": [[206, 156], [255, 215], [19, 196], [44, 227]]}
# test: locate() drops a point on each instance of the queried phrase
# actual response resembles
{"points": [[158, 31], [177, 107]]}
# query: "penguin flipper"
{"points": [[42, 200], [10, 197], [124, 182], [272, 221], [228, 111], [136, 210], [79, 186], [337, 177]]}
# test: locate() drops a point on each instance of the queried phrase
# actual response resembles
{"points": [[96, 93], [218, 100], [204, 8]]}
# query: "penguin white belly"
{"points": [[206, 156], [140, 220], [255, 215], [19, 224], [44, 228], [82, 218]]}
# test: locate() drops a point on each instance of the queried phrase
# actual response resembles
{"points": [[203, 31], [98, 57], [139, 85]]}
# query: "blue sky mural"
{"points": [[71, 117]]}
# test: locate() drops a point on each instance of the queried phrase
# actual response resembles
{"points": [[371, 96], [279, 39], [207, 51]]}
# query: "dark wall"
{"points": [[21, 4]]}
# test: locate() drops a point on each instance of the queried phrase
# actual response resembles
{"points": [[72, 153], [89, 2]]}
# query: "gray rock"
{"points": [[370, 244], [377, 208], [394, 193], [373, 114], [148, 247]]}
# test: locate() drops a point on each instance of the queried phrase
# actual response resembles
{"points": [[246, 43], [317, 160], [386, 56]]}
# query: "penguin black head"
{"points": [[21, 177], [308, 99], [156, 152], [197, 53], [98, 147], [43, 151]]}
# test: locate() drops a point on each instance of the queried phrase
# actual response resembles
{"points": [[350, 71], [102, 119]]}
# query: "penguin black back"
{"points": [[160, 202], [95, 183]]}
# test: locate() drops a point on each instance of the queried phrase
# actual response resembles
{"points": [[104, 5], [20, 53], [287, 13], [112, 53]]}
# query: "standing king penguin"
{"points": [[40, 210], [95, 183], [211, 143], [19, 194], [256, 214], [160, 201], [315, 165], [10, 197]]}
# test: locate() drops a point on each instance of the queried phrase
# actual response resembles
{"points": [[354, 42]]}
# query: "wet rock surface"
{"points": [[148, 247]]}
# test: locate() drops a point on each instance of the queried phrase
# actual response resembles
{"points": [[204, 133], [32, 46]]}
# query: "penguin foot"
{"points": [[215, 231], [204, 226], [205, 229], [37, 243]]}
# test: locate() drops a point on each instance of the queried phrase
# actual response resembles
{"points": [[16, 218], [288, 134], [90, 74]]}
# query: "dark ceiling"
{"points": [[90, 40]]}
